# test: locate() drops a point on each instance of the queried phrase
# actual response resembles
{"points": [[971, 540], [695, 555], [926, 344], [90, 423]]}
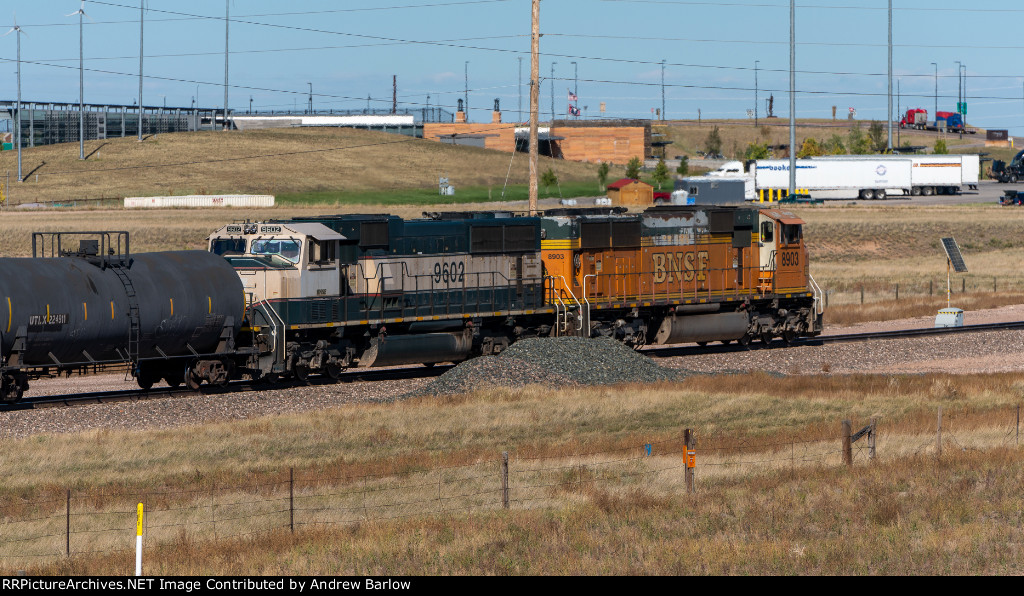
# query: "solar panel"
{"points": [[954, 256]]}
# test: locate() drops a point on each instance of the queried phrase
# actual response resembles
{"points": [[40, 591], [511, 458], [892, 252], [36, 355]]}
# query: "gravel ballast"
{"points": [[554, 362]]}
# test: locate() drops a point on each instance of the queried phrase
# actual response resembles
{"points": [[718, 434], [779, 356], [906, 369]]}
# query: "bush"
{"points": [[633, 168], [660, 174], [684, 166]]}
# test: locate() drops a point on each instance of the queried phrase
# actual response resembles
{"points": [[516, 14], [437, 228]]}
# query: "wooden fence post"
{"points": [[862, 294], [897, 292], [291, 499], [504, 479], [67, 527], [938, 435], [931, 287], [847, 444], [871, 440]]}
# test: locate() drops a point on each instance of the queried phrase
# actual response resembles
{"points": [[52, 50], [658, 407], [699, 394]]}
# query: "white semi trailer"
{"points": [[931, 174], [869, 178]]}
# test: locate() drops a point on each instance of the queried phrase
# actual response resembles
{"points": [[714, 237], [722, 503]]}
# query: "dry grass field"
{"points": [[414, 488], [274, 161], [690, 136]]}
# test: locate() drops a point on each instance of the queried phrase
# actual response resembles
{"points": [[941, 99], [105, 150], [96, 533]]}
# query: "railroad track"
{"points": [[671, 351], [415, 372], [121, 395]]}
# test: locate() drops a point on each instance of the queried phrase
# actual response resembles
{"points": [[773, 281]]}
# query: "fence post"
{"points": [[504, 480], [931, 287], [963, 285], [291, 499], [938, 435], [862, 294], [689, 460], [847, 444], [67, 527], [1018, 425], [897, 292], [994, 284], [871, 440]]}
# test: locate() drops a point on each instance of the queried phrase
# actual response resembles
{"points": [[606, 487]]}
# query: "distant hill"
{"points": [[273, 161]]}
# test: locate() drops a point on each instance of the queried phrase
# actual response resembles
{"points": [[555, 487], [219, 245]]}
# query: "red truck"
{"points": [[914, 118]]}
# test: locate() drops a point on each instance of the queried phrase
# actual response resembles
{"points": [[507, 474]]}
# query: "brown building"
{"points": [[494, 135], [578, 140], [628, 191]]}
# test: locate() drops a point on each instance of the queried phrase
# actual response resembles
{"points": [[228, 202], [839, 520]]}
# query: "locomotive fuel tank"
{"points": [[76, 310], [702, 327]]}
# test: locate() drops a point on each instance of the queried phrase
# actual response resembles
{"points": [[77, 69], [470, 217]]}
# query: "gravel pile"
{"points": [[552, 362]]}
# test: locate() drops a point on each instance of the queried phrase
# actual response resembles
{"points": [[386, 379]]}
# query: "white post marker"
{"points": [[138, 544]]}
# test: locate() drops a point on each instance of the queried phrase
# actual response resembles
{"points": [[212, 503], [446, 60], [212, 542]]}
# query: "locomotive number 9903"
{"points": [[449, 272]]}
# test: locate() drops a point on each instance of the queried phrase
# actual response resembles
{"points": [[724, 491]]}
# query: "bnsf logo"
{"points": [[680, 266]]}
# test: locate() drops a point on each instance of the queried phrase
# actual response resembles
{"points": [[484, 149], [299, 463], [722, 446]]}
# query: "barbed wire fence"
{"points": [[96, 522], [852, 293]]}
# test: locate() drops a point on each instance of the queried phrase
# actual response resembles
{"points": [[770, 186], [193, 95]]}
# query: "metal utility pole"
{"points": [[310, 97], [792, 97], [142, 13], [959, 87], [81, 83], [227, 23], [465, 94], [575, 82], [889, 113], [17, 124], [898, 109], [755, 92], [534, 100], [520, 88], [553, 92], [964, 66], [935, 116], [663, 89]]}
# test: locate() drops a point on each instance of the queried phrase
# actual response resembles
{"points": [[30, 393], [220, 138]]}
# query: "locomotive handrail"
{"points": [[404, 273], [270, 319], [586, 313]]}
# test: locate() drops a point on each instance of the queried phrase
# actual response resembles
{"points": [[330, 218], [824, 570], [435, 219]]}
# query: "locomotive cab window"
{"points": [[286, 249], [767, 231], [228, 247], [792, 233], [322, 253]]}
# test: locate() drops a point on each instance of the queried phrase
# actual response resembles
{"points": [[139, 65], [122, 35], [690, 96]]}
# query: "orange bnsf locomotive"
{"points": [[318, 295], [680, 274]]}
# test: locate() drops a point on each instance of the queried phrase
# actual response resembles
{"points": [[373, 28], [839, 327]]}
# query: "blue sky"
{"points": [[349, 50]]}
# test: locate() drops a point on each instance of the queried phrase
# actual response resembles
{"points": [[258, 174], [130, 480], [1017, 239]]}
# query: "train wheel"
{"points": [[789, 337], [745, 341], [11, 390], [301, 372], [702, 343], [766, 339], [191, 380], [174, 379], [145, 381], [334, 371], [726, 342]]}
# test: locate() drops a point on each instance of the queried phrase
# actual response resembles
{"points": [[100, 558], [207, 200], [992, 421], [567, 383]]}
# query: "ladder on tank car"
{"points": [[134, 329]]}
